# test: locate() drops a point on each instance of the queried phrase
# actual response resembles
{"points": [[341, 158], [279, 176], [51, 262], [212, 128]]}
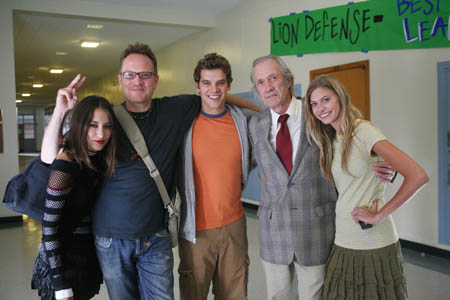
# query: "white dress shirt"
{"points": [[294, 123]]}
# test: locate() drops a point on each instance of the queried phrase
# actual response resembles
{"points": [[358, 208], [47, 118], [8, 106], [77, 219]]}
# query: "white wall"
{"points": [[403, 91], [8, 159], [107, 87]]}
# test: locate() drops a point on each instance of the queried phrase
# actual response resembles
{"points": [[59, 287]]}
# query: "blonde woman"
{"points": [[366, 260]]}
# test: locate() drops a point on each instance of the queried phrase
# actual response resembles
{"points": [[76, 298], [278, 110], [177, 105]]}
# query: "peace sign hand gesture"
{"points": [[67, 97], [65, 100]]}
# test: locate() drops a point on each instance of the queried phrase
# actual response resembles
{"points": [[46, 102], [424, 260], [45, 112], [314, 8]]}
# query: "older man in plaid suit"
{"points": [[297, 208]]}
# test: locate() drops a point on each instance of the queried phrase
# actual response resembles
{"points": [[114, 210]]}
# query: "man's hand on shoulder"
{"points": [[384, 171], [242, 103]]}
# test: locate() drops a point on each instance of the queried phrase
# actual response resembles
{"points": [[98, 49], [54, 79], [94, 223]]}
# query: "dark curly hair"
{"points": [[213, 61]]}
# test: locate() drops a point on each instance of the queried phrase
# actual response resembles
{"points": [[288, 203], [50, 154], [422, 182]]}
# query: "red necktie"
{"points": [[284, 144]]}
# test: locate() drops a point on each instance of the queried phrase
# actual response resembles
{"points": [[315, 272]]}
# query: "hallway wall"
{"points": [[403, 91], [8, 159], [403, 85], [98, 9]]}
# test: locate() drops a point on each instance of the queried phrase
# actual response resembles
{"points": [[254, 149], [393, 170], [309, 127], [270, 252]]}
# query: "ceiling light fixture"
{"points": [[18, 101], [61, 53], [38, 85], [56, 71], [26, 94], [95, 26], [90, 44]]}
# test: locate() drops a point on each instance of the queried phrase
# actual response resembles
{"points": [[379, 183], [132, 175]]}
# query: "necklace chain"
{"points": [[140, 115]]}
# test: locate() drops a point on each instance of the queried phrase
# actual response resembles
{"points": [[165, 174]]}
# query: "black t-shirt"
{"points": [[129, 205]]}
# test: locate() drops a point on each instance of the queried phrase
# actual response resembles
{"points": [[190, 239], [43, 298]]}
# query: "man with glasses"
{"points": [[129, 219]]}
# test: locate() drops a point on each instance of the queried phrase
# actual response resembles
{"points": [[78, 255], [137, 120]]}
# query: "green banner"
{"points": [[363, 26]]}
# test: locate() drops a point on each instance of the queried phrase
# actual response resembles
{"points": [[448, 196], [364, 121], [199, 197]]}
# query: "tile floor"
{"points": [[20, 243], [428, 277]]}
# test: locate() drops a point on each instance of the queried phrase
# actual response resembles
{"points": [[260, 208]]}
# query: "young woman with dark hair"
{"points": [[66, 266]]}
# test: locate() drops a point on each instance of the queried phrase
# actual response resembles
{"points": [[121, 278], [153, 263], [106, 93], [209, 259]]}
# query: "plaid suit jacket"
{"points": [[297, 211]]}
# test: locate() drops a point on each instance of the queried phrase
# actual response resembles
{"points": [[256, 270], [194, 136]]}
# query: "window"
{"points": [[28, 126]]}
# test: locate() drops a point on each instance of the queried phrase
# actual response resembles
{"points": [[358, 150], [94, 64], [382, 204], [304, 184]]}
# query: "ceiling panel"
{"points": [[38, 36]]}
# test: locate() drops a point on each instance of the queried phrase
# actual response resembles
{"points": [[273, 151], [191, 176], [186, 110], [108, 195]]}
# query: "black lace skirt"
{"points": [[81, 271]]}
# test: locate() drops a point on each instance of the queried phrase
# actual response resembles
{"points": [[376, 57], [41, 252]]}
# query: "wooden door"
{"points": [[355, 77]]}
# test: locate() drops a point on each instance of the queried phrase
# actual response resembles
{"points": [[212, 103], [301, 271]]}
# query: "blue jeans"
{"points": [[137, 269]]}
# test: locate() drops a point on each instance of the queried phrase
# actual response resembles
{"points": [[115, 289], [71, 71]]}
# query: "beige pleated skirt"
{"points": [[376, 274]]}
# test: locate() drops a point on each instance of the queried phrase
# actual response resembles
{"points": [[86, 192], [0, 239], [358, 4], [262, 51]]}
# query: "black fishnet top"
{"points": [[71, 191]]}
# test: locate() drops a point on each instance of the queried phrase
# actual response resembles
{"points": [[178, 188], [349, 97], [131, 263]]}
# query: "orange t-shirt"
{"points": [[216, 151]]}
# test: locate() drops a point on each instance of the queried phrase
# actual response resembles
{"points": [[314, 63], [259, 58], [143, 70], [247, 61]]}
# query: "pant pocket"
{"points": [[164, 233], [103, 242]]}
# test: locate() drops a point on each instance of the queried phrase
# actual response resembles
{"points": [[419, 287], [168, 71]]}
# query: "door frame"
{"points": [[443, 70], [364, 64]]}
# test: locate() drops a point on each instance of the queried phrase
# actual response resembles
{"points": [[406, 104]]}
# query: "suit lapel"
{"points": [[303, 142]]}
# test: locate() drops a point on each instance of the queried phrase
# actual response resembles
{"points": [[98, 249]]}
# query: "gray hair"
{"points": [[284, 69]]}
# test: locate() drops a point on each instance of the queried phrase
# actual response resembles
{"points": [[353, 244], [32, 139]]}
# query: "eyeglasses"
{"points": [[142, 75]]}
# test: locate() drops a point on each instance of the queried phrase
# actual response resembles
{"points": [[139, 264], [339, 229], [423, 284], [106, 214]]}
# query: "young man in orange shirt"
{"points": [[213, 242]]}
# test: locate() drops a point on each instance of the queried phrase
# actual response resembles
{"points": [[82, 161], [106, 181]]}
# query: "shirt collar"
{"points": [[294, 111], [217, 116]]}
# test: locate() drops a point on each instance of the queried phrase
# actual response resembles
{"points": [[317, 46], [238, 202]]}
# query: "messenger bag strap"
{"points": [[137, 140]]}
